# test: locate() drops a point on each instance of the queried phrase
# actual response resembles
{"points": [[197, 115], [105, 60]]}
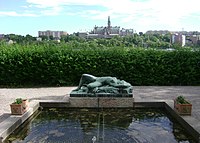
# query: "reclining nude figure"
{"points": [[91, 84]]}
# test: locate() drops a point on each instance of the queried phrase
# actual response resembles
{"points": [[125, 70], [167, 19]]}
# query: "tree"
{"points": [[50, 37], [29, 38], [140, 33], [167, 37], [44, 37]]}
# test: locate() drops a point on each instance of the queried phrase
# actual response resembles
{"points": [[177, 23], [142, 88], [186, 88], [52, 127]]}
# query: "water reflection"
{"points": [[98, 126]]}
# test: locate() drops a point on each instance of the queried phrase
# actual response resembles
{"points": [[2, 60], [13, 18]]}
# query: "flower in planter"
{"points": [[182, 106], [181, 100], [19, 106], [18, 101]]}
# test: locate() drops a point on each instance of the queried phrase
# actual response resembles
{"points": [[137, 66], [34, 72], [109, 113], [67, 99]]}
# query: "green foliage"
{"points": [[181, 100], [53, 64], [18, 101]]}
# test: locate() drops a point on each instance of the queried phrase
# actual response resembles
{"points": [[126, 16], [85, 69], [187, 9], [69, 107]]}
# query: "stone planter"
{"points": [[19, 109], [183, 109]]}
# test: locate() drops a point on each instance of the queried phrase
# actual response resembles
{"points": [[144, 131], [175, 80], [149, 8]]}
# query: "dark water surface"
{"points": [[54, 125]]}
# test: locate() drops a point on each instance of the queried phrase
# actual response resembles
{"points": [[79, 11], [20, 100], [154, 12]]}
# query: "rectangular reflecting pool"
{"points": [[61, 125]]}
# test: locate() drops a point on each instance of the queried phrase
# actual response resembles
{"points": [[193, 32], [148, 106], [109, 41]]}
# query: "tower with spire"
{"points": [[109, 26], [109, 23], [107, 31]]}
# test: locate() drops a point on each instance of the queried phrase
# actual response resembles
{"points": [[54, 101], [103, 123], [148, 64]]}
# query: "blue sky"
{"points": [[30, 16]]}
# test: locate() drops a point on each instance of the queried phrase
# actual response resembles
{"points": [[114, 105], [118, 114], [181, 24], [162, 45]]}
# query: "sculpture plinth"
{"points": [[74, 94]]}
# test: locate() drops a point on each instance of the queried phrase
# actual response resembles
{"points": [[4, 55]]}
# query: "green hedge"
{"points": [[61, 65]]}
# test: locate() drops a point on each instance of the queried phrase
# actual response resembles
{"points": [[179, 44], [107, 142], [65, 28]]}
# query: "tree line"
{"points": [[137, 40]]}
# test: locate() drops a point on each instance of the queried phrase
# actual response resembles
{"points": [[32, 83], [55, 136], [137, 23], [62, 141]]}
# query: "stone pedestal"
{"points": [[83, 102], [101, 102]]}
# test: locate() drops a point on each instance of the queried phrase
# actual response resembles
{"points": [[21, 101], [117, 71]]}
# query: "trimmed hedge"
{"points": [[61, 65]]}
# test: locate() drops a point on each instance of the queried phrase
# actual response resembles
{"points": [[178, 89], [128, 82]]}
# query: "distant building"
{"points": [[125, 32], [188, 38], [1, 36], [55, 34], [160, 32], [82, 34], [178, 38], [192, 40], [39, 39], [106, 31], [187, 33]]}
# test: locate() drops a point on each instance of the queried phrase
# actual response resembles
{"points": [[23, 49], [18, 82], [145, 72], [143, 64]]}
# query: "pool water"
{"points": [[100, 126]]}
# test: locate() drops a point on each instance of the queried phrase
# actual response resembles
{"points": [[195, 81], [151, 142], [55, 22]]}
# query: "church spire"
{"points": [[109, 23]]}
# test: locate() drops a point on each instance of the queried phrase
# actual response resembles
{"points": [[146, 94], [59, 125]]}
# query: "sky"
{"points": [[24, 17]]}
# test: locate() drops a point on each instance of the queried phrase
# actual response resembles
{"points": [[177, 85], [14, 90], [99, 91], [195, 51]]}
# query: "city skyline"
{"points": [[30, 16]]}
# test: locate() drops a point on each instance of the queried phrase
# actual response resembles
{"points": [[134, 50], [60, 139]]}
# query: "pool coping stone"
{"points": [[14, 121]]}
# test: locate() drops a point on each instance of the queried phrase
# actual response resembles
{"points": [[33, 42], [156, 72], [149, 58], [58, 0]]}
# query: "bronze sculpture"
{"points": [[90, 85]]}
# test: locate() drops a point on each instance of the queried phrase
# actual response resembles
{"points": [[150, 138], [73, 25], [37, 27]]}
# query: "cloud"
{"points": [[27, 6], [144, 13], [164, 10], [51, 11], [13, 13], [47, 3]]}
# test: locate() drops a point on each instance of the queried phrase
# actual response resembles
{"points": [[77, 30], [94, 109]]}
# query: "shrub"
{"points": [[59, 64]]}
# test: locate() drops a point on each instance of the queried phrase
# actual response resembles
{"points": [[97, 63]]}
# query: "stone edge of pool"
{"points": [[14, 121]]}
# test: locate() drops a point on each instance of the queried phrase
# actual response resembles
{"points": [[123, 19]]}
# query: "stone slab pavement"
{"points": [[192, 93], [8, 95]]}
